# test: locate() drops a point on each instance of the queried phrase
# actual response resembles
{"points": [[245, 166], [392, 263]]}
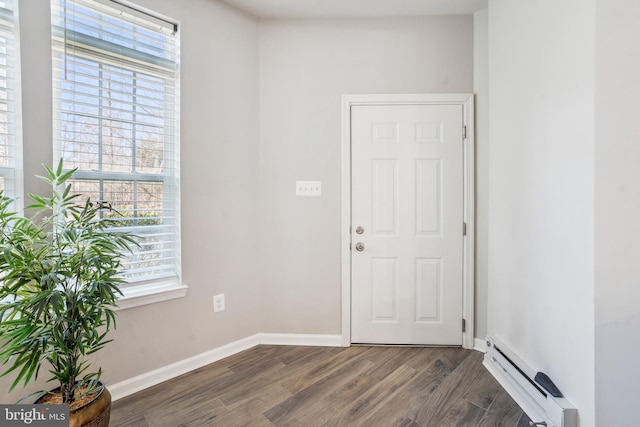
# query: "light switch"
{"points": [[309, 188]]}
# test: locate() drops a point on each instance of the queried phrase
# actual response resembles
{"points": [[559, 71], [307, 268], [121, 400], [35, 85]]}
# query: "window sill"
{"points": [[136, 296]]}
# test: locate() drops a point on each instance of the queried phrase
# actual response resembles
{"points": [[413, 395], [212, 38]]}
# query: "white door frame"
{"points": [[468, 274]]}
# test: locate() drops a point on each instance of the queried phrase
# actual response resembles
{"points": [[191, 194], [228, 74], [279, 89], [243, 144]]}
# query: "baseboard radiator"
{"points": [[517, 378]]}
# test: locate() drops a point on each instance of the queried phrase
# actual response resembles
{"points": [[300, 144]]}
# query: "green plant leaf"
{"points": [[59, 268]]}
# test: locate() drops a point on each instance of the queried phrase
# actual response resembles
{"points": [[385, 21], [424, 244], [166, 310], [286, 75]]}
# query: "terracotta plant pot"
{"points": [[95, 413]]}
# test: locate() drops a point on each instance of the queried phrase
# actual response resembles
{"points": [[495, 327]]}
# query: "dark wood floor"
{"points": [[323, 386]]}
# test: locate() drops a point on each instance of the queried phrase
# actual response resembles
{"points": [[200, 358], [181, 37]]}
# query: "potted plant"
{"points": [[59, 284]]}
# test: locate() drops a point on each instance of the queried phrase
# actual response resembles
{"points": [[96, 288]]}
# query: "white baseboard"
{"points": [[151, 378], [302, 339], [157, 376], [480, 345]]}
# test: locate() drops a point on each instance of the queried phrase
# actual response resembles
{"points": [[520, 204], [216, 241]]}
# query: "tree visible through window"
{"points": [[116, 116]]}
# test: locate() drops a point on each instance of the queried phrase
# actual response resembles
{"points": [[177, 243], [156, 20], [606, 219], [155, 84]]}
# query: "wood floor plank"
{"points": [[324, 369], [194, 410], [258, 364], [134, 421], [238, 418], [270, 377], [302, 402], [335, 402], [265, 401], [436, 365], [271, 391], [124, 411], [396, 411], [298, 370], [374, 398], [242, 375], [350, 391], [390, 359], [279, 386], [503, 412], [462, 414], [444, 397], [483, 391], [405, 422], [434, 374], [247, 392], [254, 353], [260, 421], [174, 389], [294, 354], [423, 357]]}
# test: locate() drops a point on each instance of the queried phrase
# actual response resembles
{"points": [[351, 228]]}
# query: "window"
{"points": [[10, 140], [115, 83]]}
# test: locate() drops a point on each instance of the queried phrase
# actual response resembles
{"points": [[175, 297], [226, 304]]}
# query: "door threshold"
{"points": [[361, 344]]}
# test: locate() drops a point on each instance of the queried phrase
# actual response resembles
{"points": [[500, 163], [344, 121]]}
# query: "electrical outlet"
{"points": [[218, 303]]}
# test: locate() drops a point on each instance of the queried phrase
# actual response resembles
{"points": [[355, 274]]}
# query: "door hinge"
{"points": [[464, 132], [464, 228], [464, 325]]}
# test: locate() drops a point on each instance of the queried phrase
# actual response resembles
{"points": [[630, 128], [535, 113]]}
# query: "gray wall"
{"points": [[305, 66], [541, 196], [617, 228]]}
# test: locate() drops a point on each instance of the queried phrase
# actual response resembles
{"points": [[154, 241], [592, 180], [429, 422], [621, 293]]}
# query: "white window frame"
{"points": [[13, 172], [154, 290]]}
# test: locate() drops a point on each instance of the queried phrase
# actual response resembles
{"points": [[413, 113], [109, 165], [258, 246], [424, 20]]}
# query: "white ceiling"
{"points": [[355, 8]]}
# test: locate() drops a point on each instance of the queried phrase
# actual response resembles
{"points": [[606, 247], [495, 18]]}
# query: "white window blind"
{"points": [[115, 84], [10, 141]]}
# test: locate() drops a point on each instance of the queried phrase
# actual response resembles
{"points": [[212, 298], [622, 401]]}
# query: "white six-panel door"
{"points": [[407, 224]]}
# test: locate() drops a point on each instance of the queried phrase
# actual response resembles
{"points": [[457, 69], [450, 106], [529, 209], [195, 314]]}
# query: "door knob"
{"points": [[359, 246], [539, 423], [359, 230]]}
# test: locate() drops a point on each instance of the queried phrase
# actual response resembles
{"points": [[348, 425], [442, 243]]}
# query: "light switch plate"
{"points": [[309, 188]]}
